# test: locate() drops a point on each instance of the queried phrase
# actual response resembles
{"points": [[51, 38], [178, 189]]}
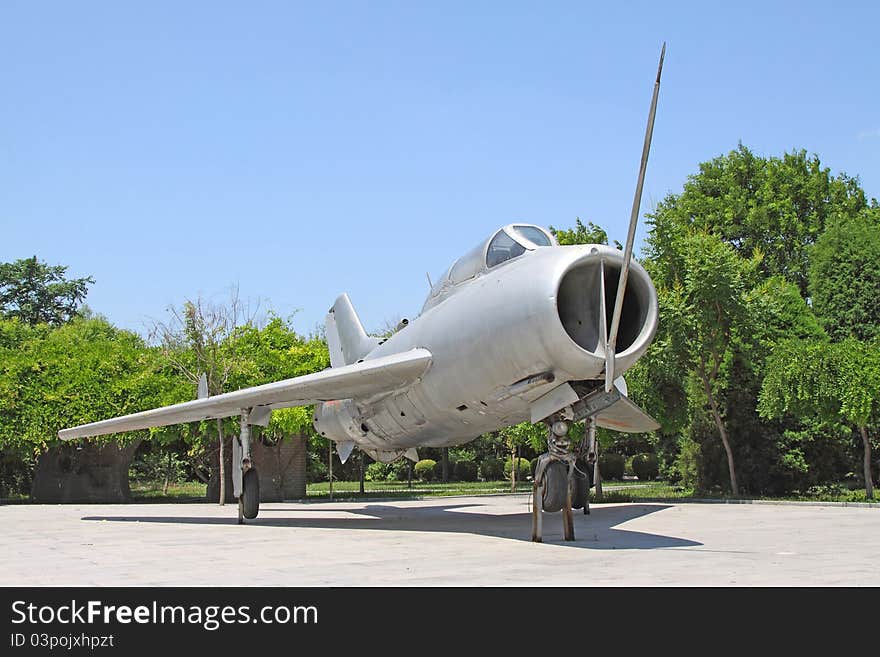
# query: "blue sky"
{"points": [[300, 150]]}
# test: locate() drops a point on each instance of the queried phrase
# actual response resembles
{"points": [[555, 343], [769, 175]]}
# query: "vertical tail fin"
{"points": [[346, 337]]}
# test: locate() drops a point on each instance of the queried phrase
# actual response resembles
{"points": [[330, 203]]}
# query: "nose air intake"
{"points": [[580, 307]]}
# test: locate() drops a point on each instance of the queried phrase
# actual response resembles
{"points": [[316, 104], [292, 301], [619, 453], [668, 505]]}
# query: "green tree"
{"points": [[768, 212], [776, 207], [274, 352], [580, 234], [202, 337], [521, 435], [844, 277], [36, 292], [828, 382], [84, 371], [706, 308]]}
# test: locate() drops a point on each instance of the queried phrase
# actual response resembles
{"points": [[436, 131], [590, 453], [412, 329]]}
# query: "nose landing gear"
{"points": [[562, 481]]}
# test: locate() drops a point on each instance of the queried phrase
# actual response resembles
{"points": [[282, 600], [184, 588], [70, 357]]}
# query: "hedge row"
{"points": [[611, 465]]}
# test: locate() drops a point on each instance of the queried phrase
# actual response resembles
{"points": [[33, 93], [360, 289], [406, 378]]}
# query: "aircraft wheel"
{"points": [[555, 485], [579, 487], [250, 494]]}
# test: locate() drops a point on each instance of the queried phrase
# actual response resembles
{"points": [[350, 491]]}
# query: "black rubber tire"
{"points": [[579, 487], [250, 494], [555, 486]]}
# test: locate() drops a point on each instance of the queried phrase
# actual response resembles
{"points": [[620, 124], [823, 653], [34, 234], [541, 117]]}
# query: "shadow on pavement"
{"points": [[596, 531]]}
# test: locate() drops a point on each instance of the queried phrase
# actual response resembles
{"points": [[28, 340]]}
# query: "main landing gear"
{"points": [[562, 477], [245, 481]]}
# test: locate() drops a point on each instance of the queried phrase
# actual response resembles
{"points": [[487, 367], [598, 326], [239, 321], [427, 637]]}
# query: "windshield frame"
{"points": [[474, 263], [511, 232]]}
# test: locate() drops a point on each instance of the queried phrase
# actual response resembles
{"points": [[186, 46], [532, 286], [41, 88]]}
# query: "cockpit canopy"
{"points": [[506, 244]]}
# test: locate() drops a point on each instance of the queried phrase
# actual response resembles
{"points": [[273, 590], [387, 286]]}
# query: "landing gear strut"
{"points": [[562, 480], [245, 481]]}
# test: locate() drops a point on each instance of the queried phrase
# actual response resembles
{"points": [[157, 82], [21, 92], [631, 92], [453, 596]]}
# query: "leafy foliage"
{"points": [[774, 207], [645, 466], [274, 352], [611, 465], [729, 256], [492, 469], [38, 293], [425, 469], [83, 371], [523, 468], [155, 465], [845, 277], [377, 471], [705, 305], [524, 434], [687, 463], [829, 382], [465, 470], [580, 234]]}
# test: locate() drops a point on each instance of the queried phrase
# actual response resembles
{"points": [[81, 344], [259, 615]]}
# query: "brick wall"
{"points": [[90, 472], [281, 468]]}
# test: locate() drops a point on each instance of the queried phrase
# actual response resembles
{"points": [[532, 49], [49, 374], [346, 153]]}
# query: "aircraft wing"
{"points": [[362, 379]]}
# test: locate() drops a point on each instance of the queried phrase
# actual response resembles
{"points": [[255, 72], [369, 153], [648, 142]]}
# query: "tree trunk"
{"points": [[869, 483], [361, 473], [222, 463], [330, 466], [513, 469], [167, 474], [722, 430], [445, 465], [598, 473]]}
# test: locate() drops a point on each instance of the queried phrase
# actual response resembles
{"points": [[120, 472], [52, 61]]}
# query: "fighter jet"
{"points": [[518, 329]]}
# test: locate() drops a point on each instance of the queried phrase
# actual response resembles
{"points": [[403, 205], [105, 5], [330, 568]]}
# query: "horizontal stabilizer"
{"points": [[369, 378]]}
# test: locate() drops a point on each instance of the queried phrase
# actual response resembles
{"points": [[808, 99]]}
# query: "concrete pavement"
{"points": [[438, 541]]}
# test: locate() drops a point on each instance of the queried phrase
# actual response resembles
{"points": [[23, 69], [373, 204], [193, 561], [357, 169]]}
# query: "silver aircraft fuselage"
{"points": [[499, 340]]}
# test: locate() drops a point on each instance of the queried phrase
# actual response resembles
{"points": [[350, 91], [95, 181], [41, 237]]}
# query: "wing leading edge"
{"points": [[363, 379]]}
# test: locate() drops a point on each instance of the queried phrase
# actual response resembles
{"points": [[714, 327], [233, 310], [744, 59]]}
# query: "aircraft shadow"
{"points": [[597, 531]]}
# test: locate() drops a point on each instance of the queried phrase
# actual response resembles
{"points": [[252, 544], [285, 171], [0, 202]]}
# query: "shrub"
{"points": [[611, 465], [465, 471], [316, 470], [424, 469], [402, 473], [16, 473], [461, 454], [155, 466], [688, 462], [523, 469], [451, 473], [645, 466], [492, 469], [377, 471], [398, 471]]}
